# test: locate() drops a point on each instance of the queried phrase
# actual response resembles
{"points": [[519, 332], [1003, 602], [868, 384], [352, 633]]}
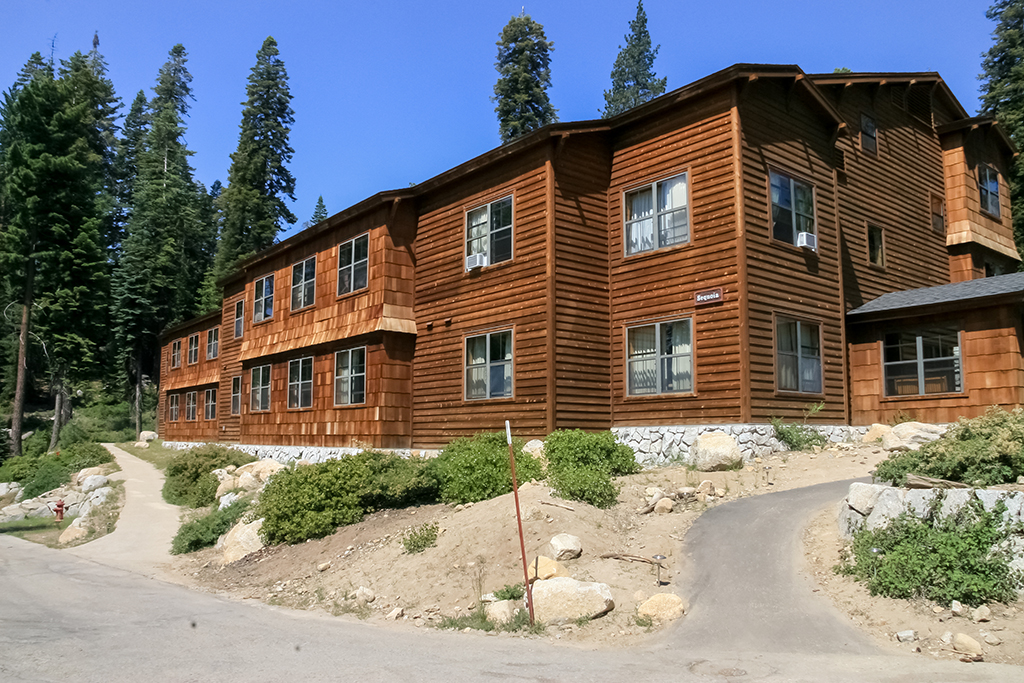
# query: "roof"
{"points": [[957, 295], [191, 322], [979, 122]]}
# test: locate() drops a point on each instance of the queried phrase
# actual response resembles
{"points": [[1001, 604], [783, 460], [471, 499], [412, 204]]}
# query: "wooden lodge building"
{"points": [[737, 249]]}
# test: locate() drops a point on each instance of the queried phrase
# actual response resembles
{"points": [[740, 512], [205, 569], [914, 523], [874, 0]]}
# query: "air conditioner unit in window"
{"points": [[476, 261], [807, 240]]}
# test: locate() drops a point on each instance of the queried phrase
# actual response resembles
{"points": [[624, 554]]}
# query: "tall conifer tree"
{"points": [[1002, 93], [319, 211], [633, 79], [524, 68], [259, 180]]}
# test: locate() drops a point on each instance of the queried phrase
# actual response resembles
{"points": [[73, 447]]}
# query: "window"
{"points": [[876, 248], [660, 358], [926, 362], [303, 283], [172, 407], [259, 389], [994, 269], [489, 231], [300, 383], [193, 348], [489, 365], [176, 353], [212, 343], [190, 406], [210, 405], [353, 264], [792, 207], [988, 185], [236, 395], [350, 377], [239, 318], [868, 134], [664, 204], [798, 356], [263, 302], [938, 211]]}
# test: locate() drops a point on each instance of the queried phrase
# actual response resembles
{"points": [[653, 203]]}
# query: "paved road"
{"points": [[69, 617]]}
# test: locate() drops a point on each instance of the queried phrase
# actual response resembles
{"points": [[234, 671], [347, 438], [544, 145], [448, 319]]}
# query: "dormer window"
{"points": [[988, 186], [868, 134]]}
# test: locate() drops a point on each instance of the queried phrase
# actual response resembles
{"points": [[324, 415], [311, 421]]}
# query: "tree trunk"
{"points": [[138, 396], [58, 411], [18, 409]]}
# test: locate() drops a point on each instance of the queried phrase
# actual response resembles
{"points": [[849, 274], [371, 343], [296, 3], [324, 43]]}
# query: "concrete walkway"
{"points": [[141, 542], [746, 588]]}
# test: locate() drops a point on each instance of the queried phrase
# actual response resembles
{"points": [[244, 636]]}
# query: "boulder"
{"points": [[706, 486], [72, 534], [967, 645], [148, 436], [248, 481], [954, 500], [501, 612], [566, 547], [850, 521], [100, 495], [363, 595], [261, 469], [663, 607], [226, 499], [876, 433], [226, 485], [919, 502], [916, 434], [958, 609], [887, 508], [534, 447], [980, 614], [142, 444], [562, 598], [907, 636], [862, 497], [8, 487], [93, 482], [663, 506], [241, 540], [85, 474], [39, 510], [12, 513], [891, 442], [544, 568], [715, 451]]}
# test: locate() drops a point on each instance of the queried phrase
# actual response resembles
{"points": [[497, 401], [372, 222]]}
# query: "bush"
{"points": [[313, 500], [475, 469], [189, 479], [18, 469], [513, 592], [581, 465], [800, 437], [419, 539], [960, 557], [982, 451], [47, 472], [204, 532]]}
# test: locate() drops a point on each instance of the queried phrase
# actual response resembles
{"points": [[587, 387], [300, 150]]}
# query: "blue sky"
{"points": [[390, 93]]}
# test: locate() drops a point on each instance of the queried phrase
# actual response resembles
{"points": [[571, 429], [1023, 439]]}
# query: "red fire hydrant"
{"points": [[58, 510]]}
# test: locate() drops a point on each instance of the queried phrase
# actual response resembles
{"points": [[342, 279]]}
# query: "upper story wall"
{"points": [[190, 354]]}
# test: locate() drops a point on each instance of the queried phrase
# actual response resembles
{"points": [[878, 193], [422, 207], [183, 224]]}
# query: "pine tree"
{"points": [[633, 79], [1003, 93], [524, 68], [319, 212], [126, 166], [259, 180]]}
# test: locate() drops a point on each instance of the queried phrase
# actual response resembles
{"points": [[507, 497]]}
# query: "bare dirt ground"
{"points": [[478, 552]]}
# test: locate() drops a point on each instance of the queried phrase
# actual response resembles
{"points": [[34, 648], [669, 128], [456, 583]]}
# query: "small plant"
{"points": [[419, 539], [513, 592], [581, 465], [799, 437], [643, 620], [582, 621], [901, 416], [959, 557], [204, 531], [469, 470]]}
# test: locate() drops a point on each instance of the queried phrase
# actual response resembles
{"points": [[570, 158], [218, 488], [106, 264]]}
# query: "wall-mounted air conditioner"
{"points": [[476, 261], [807, 240]]}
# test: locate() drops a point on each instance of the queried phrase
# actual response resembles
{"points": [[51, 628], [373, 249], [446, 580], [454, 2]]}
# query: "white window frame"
{"points": [[173, 407], [190, 406], [210, 404], [868, 132], [354, 382], [263, 298], [348, 274], [212, 343], [659, 357], [296, 387], [303, 287], [988, 189], [239, 318], [236, 395], [193, 349], [656, 217], [176, 353], [489, 365], [956, 360], [486, 241], [260, 379], [793, 183], [803, 362]]}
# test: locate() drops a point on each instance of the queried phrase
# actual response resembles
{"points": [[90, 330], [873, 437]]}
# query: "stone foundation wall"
{"points": [[656, 446], [287, 454]]}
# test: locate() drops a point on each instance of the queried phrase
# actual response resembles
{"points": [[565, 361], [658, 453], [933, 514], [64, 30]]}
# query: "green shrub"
{"points": [[800, 437], [581, 465], [18, 469], [960, 557], [469, 470], [982, 451], [47, 472], [392, 481], [189, 480], [419, 539], [204, 532], [513, 592]]}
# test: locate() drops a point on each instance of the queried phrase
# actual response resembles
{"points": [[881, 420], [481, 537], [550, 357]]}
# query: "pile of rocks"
{"points": [[87, 489], [243, 538], [906, 436]]}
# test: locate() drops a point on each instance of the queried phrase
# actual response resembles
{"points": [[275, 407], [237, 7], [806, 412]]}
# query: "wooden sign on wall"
{"points": [[708, 296]]}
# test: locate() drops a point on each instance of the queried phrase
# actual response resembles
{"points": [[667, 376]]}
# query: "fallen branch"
{"points": [[557, 505], [627, 557], [916, 481]]}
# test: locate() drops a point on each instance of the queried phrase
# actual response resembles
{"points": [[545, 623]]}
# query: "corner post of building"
{"points": [[746, 412], [549, 248]]}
